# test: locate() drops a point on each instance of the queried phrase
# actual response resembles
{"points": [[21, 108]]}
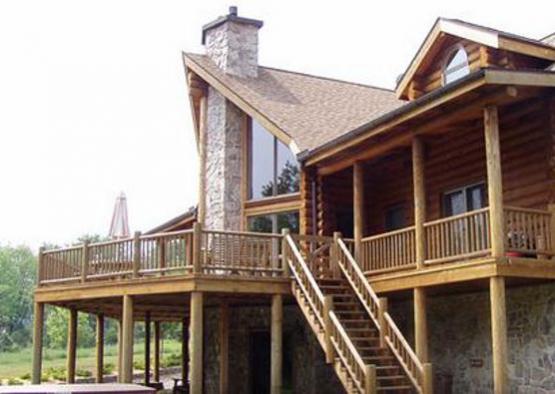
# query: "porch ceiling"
{"points": [[435, 115]]}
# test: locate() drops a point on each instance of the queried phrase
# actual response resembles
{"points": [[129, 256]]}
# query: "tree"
{"points": [[287, 181], [17, 282]]}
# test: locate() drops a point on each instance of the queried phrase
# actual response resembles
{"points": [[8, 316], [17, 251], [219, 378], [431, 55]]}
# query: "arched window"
{"points": [[456, 66]]}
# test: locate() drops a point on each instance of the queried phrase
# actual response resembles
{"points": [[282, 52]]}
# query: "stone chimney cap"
{"points": [[231, 17]]}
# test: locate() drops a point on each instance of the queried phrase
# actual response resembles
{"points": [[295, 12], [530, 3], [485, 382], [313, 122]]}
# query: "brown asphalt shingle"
{"points": [[312, 110]]}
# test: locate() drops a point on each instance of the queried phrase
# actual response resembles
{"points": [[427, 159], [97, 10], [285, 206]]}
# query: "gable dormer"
{"points": [[454, 49]]}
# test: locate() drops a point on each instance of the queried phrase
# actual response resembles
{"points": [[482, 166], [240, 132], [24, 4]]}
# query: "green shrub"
{"points": [[171, 360], [14, 382], [139, 365], [84, 373], [108, 369], [56, 373], [25, 376]]}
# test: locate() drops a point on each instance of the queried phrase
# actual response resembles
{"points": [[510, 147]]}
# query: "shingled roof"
{"points": [[311, 110]]}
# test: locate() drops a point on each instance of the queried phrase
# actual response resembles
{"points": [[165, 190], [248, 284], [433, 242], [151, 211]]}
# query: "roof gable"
{"points": [[304, 111], [450, 29]]}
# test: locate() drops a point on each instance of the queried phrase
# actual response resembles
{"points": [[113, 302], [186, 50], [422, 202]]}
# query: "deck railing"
{"points": [[529, 233], [240, 253], [183, 252], [458, 237], [393, 250]]}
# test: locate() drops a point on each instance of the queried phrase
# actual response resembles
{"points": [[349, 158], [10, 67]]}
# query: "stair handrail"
{"points": [[358, 375], [408, 359], [357, 370], [317, 304]]}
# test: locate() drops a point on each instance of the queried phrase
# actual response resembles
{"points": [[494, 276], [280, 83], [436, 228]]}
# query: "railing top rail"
{"points": [[527, 210], [243, 233], [388, 234], [345, 337], [358, 271], [166, 234], [315, 238], [408, 349], [456, 217], [66, 249], [305, 268]]}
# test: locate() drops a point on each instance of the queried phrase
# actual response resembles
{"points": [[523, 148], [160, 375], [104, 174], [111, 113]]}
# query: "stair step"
{"points": [[395, 388]]}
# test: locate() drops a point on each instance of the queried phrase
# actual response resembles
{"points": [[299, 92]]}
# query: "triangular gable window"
{"points": [[456, 66]]}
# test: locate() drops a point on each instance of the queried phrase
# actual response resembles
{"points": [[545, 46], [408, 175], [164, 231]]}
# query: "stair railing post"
{"points": [[284, 252], [136, 253], [381, 321], [428, 379], [197, 248], [84, 261], [370, 380], [551, 240], [335, 254], [328, 307], [40, 265]]}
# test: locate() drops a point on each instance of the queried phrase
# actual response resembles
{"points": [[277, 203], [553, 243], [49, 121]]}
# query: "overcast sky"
{"points": [[93, 99]]}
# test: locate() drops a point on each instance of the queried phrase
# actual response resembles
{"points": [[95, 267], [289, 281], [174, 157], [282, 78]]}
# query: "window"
{"points": [[273, 168], [274, 223], [456, 66], [465, 199], [395, 218]]}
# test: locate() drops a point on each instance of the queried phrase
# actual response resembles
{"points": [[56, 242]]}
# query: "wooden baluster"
{"points": [[136, 254], [197, 250]]}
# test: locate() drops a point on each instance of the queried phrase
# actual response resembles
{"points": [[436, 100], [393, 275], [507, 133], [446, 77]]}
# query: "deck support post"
{"points": [[38, 328], [499, 335], [196, 342], [156, 368], [358, 207], [120, 350], [276, 344], [420, 324], [127, 340], [99, 373], [71, 345], [185, 350], [419, 188], [224, 348], [428, 379], [147, 348], [495, 185]]}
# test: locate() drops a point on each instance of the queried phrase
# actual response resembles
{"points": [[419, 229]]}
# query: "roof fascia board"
{"points": [[492, 39], [242, 104], [196, 125], [520, 78]]}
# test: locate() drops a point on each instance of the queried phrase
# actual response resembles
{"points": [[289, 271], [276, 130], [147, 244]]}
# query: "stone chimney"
{"points": [[231, 42]]}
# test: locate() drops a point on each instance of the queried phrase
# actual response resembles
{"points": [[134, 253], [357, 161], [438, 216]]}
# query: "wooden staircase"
{"points": [[390, 377], [359, 337]]}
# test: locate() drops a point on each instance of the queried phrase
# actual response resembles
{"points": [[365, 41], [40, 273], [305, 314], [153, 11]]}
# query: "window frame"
{"points": [[249, 164], [451, 53], [464, 189]]}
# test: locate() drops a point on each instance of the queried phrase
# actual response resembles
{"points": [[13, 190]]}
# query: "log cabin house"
{"points": [[347, 238]]}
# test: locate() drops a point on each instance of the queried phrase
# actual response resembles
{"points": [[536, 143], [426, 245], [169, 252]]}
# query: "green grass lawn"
{"points": [[17, 364]]}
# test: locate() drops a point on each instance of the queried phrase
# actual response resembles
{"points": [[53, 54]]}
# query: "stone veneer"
{"points": [[310, 373], [234, 48], [223, 163], [460, 339]]}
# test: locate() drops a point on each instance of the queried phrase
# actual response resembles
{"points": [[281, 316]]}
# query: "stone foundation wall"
{"points": [[460, 339], [310, 373]]}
